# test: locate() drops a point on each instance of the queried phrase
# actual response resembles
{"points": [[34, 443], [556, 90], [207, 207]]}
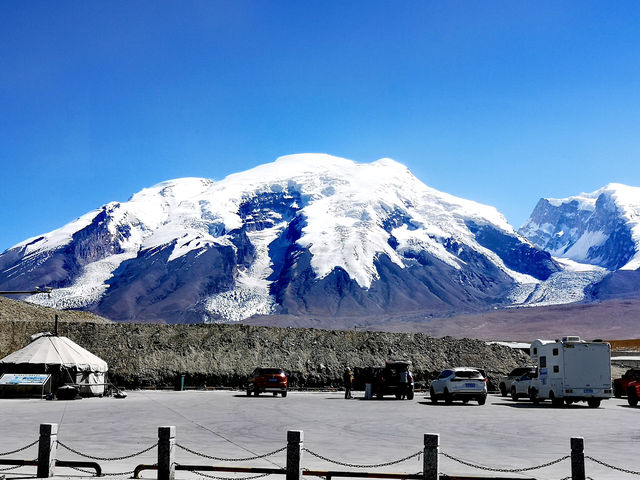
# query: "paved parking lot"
{"points": [[229, 424]]}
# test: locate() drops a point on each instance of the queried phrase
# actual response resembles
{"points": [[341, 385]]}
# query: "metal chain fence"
{"points": [[2, 454], [619, 469], [107, 459], [222, 459], [93, 474], [231, 478], [353, 465], [505, 470], [11, 468]]}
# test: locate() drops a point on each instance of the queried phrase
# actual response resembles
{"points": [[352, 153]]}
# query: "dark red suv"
{"points": [[620, 385], [272, 380]]}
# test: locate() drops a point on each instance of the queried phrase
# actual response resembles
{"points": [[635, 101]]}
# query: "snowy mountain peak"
{"points": [[601, 228], [281, 237]]}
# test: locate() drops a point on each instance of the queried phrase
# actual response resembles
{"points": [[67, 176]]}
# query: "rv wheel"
{"points": [[593, 402]]}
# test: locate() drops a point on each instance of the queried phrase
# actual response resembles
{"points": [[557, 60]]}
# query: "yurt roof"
{"points": [[49, 349]]}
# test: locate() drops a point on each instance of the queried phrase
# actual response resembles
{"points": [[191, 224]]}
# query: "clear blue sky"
{"points": [[498, 102]]}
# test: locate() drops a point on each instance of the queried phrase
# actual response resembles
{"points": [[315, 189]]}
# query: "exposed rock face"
{"points": [[224, 355]]}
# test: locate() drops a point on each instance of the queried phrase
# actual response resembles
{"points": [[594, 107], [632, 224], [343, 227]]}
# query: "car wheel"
{"points": [[503, 390], [256, 392], [410, 395], [514, 394], [248, 391], [555, 402], [593, 402], [284, 394], [482, 400], [432, 396], [379, 395], [447, 396], [632, 397], [533, 396], [617, 391]]}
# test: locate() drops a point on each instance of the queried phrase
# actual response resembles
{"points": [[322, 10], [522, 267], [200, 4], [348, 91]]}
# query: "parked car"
{"points": [[460, 383], [394, 378], [621, 384], [633, 392], [263, 380], [505, 382], [520, 387]]}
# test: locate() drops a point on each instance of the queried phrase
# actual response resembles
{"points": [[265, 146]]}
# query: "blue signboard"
{"points": [[24, 379]]}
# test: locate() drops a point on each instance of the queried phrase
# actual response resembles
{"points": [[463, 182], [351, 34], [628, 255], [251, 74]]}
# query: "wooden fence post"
{"points": [[294, 454], [577, 458], [166, 453], [430, 456], [47, 448]]}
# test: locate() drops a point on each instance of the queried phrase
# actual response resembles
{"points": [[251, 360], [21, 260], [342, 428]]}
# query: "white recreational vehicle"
{"points": [[571, 370]]}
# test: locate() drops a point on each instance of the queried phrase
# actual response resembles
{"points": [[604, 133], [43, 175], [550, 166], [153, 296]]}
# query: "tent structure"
{"points": [[65, 360]]}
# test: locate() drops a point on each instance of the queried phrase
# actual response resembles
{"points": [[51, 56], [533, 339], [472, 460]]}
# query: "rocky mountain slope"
{"points": [[305, 235], [16, 310]]}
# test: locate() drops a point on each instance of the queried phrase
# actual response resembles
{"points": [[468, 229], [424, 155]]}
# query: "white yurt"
{"points": [[66, 362]]}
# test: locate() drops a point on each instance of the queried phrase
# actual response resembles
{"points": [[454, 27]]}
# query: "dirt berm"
{"points": [[141, 355]]}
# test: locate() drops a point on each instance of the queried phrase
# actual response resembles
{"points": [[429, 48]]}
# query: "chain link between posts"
{"points": [[92, 473], [16, 467], [229, 478], [107, 459], [2, 454], [623, 470], [222, 459], [353, 465], [505, 470]]}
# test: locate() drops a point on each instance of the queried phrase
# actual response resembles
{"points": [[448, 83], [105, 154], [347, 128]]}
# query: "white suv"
{"points": [[460, 383], [515, 374]]}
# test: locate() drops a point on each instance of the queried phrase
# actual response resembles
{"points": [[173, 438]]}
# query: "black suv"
{"points": [[393, 379]]}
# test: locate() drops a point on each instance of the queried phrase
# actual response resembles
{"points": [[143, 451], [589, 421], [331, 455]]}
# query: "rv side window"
{"points": [[556, 369], [535, 350], [555, 352], [543, 362]]}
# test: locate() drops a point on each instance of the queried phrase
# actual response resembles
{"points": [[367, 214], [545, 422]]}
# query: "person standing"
{"points": [[347, 376]]}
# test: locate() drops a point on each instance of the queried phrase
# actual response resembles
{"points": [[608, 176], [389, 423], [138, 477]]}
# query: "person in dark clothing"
{"points": [[347, 376]]}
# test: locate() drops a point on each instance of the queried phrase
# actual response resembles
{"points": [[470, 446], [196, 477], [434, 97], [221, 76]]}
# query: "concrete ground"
{"points": [[229, 424]]}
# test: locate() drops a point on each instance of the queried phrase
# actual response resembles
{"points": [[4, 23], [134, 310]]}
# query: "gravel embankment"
{"points": [[141, 355]]}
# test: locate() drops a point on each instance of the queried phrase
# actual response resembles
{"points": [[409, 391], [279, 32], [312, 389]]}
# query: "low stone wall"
{"points": [[153, 355]]}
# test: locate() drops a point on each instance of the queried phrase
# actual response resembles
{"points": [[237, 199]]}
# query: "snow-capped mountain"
{"points": [[600, 228], [308, 234]]}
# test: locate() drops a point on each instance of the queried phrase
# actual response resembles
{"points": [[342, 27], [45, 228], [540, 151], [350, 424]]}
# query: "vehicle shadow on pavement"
{"points": [[264, 396], [544, 405], [454, 404]]}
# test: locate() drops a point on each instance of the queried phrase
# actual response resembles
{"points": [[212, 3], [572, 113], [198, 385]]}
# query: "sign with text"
{"points": [[24, 379]]}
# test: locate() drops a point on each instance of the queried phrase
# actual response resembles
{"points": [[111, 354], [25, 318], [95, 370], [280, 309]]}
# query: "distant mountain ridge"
{"points": [[600, 228], [308, 234]]}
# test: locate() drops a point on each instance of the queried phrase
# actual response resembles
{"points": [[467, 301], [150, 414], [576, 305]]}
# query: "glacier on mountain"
{"points": [[308, 233]]}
